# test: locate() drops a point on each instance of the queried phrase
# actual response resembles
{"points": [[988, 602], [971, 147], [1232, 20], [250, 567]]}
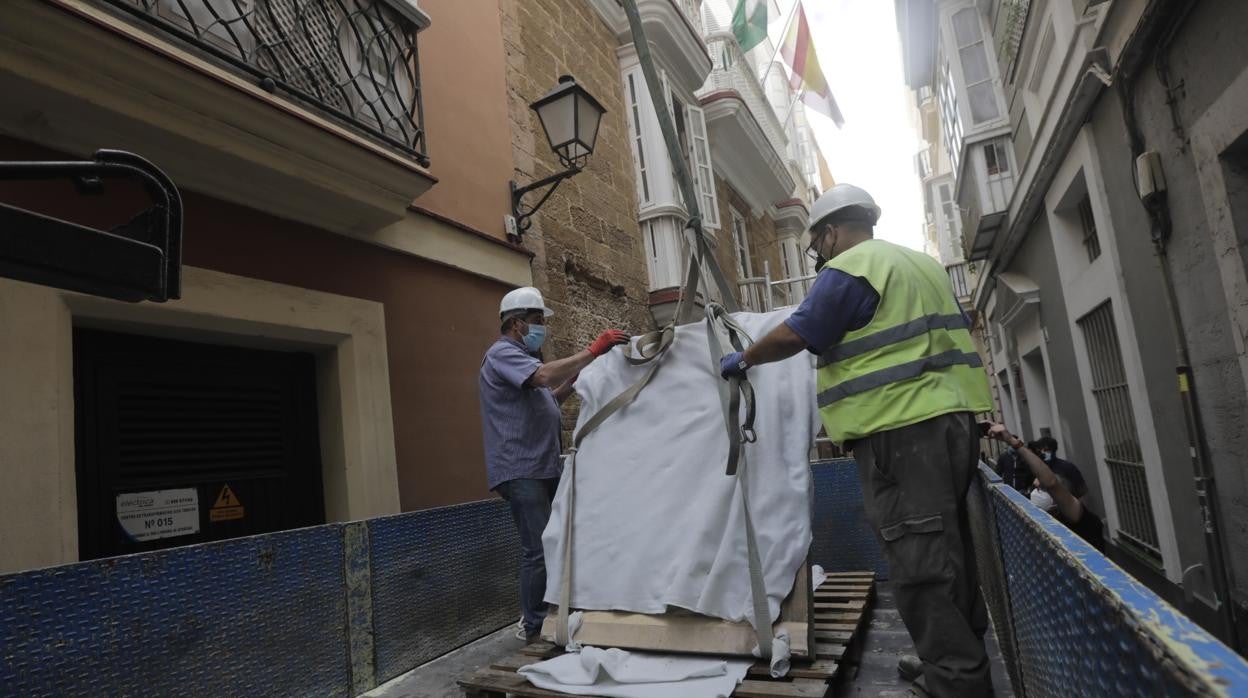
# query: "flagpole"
{"points": [[792, 106], [784, 32]]}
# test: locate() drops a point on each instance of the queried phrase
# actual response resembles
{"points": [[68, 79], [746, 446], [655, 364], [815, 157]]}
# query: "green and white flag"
{"points": [[749, 23]]}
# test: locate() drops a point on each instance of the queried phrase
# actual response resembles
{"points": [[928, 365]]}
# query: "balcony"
{"points": [[674, 29], [307, 109], [984, 193], [747, 142], [353, 60]]}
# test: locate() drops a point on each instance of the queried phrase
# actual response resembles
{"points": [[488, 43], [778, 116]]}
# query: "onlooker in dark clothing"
{"points": [[1054, 493], [1012, 472], [1047, 446]]}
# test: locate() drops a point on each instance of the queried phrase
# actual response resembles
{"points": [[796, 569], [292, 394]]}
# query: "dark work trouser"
{"points": [[530, 508], [914, 481]]}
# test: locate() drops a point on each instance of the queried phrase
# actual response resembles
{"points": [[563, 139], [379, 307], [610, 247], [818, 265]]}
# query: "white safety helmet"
{"points": [[523, 298], [839, 197]]}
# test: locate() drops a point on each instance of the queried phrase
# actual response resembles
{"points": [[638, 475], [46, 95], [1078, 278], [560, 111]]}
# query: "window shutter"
{"points": [[703, 173], [635, 93]]}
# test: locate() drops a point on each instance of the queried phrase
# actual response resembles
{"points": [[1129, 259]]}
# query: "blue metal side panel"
{"points": [[986, 543], [844, 541], [264, 615], [1085, 627], [441, 578]]}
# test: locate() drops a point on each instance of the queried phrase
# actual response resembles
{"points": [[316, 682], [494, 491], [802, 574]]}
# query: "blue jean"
{"points": [[530, 508]]}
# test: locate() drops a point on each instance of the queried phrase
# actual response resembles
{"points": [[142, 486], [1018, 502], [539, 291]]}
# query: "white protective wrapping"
{"points": [[619, 674], [658, 523]]}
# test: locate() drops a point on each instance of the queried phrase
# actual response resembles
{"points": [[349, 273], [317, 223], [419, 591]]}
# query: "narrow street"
{"points": [[331, 335]]}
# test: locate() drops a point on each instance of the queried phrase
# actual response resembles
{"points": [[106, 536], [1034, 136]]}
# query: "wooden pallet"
{"points": [[845, 598]]}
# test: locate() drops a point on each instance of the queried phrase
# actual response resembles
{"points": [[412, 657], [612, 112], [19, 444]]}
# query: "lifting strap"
{"points": [[653, 346]]}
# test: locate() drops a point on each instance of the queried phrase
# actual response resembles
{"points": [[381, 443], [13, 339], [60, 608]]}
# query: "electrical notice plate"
{"points": [[159, 514]]}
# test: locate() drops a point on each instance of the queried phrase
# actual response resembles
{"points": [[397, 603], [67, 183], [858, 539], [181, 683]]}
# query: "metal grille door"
{"points": [[181, 442], [1122, 439]]}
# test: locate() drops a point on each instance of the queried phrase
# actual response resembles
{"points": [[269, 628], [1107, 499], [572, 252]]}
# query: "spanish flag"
{"points": [[799, 52]]}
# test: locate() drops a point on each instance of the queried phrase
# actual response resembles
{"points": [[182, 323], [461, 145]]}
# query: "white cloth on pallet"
{"points": [[658, 523], [620, 674]]}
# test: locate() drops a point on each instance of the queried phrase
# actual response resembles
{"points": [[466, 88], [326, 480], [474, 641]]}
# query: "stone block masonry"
{"points": [[589, 255]]}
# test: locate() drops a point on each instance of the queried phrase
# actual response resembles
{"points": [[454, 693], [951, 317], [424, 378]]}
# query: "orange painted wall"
{"points": [[465, 99]]}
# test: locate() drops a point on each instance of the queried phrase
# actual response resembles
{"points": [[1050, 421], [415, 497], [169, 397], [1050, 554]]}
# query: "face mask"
{"points": [[816, 249], [1047, 456], [535, 338], [1042, 499]]}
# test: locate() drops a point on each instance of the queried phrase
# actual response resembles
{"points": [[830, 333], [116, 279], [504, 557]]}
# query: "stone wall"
{"points": [[764, 242], [590, 258]]}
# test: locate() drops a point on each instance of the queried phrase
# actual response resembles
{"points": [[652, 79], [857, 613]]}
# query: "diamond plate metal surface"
{"points": [[1083, 627], [264, 615], [991, 570], [441, 578], [843, 540]]}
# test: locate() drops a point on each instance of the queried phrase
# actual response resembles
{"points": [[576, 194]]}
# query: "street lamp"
{"points": [[570, 117]]}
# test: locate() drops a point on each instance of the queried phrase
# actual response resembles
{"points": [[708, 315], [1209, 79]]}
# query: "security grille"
{"points": [[1122, 441]]}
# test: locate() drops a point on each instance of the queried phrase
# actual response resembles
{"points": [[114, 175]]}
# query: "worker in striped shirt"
{"points": [[520, 425]]}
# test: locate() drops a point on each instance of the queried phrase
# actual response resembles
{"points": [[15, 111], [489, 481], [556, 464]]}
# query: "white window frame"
{"points": [[989, 61], [636, 104], [702, 170]]}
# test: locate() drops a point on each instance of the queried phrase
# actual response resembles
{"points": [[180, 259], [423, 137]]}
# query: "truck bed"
{"points": [[873, 667]]}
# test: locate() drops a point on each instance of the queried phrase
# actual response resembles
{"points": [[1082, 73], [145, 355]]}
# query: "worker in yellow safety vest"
{"points": [[899, 384]]}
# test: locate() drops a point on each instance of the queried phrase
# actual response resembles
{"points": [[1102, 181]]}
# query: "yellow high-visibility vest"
{"points": [[915, 360]]}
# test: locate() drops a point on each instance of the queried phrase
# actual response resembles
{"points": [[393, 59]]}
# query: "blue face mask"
{"points": [[535, 338]]}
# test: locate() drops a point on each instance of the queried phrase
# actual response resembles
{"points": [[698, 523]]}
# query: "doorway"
{"points": [[186, 442]]}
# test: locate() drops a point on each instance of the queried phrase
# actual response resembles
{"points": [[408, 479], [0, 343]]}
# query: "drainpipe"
{"points": [[1164, 17]]}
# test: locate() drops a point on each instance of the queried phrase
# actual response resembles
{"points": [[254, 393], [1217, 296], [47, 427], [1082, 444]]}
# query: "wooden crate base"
{"points": [[808, 678], [683, 631]]}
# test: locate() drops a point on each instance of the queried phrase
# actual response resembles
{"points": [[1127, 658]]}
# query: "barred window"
{"points": [[1123, 453]]}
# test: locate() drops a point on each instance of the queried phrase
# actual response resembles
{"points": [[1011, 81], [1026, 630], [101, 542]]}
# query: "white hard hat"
{"points": [[524, 298], [839, 197]]}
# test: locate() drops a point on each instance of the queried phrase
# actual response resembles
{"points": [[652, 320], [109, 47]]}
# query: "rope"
{"points": [[732, 392]]}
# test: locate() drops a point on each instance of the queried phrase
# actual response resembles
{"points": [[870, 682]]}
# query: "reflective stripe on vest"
{"points": [[892, 335], [900, 372]]}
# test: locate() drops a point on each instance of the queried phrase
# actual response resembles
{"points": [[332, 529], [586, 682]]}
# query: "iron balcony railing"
{"points": [[732, 72], [354, 60]]}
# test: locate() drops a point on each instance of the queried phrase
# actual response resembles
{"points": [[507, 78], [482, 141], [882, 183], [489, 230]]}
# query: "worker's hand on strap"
{"points": [[606, 340], [733, 365]]}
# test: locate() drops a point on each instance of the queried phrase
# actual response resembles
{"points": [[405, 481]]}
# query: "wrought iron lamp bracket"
{"points": [[522, 212]]}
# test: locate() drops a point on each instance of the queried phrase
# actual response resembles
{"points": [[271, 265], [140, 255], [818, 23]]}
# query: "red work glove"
{"points": [[606, 340]]}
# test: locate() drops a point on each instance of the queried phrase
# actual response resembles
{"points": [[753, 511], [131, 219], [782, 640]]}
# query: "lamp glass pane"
{"points": [[556, 118], [590, 118]]}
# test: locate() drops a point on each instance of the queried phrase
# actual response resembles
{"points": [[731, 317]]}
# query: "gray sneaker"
{"points": [[520, 634]]}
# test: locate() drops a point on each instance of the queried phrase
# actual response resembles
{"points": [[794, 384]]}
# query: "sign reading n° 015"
{"points": [[159, 514]]}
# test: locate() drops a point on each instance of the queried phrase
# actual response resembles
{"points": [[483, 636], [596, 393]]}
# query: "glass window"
{"points": [[996, 159], [741, 244], [639, 151], [702, 172], [976, 71], [1091, 241]]}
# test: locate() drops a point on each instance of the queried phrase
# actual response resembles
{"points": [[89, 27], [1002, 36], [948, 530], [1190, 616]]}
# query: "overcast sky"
{"points": [[860, 52]]}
